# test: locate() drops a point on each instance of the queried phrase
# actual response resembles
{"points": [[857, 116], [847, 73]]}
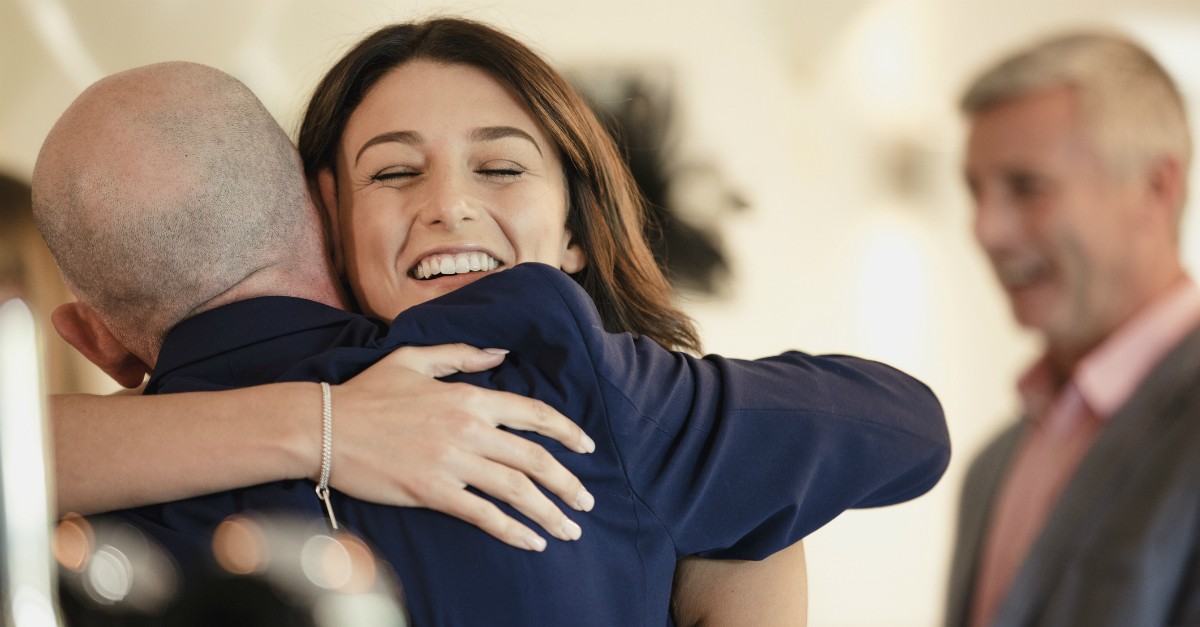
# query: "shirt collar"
{"points": [[1108, 375], [239, 324]]}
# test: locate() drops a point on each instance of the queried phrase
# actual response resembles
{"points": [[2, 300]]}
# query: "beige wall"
{"points": [[807, 106]]}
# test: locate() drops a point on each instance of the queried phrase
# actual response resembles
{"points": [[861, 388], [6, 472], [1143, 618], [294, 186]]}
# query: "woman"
{"points": [[444, 150], [376, 184]]}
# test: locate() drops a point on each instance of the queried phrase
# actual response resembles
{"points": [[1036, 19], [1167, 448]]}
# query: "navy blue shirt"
{"points": [[714, 457]]}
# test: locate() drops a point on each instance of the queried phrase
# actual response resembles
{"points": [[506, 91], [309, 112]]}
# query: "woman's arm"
{"points": [[766, 593], [120, 451], [400, 438]]}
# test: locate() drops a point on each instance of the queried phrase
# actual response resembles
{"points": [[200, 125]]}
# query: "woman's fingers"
{"points": [[530, 414], [460, 503], [501, 408], [444, 359], [511, 410], [515, 488], [524, 414], [405, 438], [522, 459]]}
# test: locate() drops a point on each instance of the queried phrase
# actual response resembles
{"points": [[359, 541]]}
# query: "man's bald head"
{"points": [[162, 188]]}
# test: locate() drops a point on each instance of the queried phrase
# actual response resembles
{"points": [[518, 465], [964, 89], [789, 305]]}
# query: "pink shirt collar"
{"points": [[1106, 377]]}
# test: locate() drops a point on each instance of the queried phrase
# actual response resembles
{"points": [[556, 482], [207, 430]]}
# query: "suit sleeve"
{"points": [[1186, 604]]}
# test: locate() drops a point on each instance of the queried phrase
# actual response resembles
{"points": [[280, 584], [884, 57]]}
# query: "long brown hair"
{"points": [[606, 215]]}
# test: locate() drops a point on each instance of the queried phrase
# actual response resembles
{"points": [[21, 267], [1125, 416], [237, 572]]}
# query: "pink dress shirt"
{"points": [[1062, 425]]}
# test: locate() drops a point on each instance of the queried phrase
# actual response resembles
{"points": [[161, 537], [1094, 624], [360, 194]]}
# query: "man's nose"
{"points": [[996, 221]]}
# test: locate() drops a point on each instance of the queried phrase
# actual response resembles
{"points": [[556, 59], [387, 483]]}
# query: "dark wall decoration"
{"points": [[688, 197]]}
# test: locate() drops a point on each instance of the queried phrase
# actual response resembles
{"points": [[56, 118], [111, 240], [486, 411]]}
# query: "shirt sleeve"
{"points": [[739, 459]]}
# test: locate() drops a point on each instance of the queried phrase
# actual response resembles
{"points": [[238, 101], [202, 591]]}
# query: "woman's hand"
{"points": [[401, 437]]}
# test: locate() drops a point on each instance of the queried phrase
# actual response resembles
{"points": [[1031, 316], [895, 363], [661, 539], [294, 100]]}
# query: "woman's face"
{"points": [[443, 176]]}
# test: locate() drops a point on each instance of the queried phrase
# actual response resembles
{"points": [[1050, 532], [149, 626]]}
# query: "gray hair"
{"points": [[163, 187], [1131, 106]]}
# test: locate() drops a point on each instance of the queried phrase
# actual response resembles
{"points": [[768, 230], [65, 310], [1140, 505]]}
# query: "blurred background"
{"points": [[807, 152]]}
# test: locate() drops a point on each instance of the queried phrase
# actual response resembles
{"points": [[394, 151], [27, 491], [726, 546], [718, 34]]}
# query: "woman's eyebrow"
{"points": [[403, 137], [489, 133]]}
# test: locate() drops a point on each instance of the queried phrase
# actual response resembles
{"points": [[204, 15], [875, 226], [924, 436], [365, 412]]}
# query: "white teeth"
{"points": [[457, 263]]}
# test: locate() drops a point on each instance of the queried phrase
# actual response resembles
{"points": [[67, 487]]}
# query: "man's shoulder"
{"points": [[1172, 379], [530, 302], [534, 285], [255, 319], [1184, 357], [996, 452]]}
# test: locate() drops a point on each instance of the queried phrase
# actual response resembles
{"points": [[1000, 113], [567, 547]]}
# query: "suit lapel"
{"points": [[1072, 522]]}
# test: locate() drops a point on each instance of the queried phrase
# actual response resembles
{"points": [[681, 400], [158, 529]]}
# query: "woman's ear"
{"points": [[327, 191], [83, 329], [573, 259]]}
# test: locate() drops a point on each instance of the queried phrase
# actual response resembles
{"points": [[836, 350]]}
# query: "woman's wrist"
{"points": [[295, 409]]}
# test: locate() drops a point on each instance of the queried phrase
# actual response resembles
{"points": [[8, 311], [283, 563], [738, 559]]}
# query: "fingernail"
{"points": [[584, 502], [571, 530], [535, 542], [589, 445], [496, 351]]}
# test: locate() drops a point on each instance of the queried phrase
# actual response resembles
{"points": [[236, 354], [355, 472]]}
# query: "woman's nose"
{"points": [[447, 204]]}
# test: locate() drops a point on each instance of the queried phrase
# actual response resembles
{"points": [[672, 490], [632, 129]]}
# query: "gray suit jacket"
{"points": [[1120, 548]]}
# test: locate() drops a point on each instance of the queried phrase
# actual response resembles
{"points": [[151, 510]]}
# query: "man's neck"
{"points": [[1064, 356], [315, 285]]}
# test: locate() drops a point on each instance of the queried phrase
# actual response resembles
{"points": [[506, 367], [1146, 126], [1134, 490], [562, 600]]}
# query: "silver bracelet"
{"points": [[326, 452]]}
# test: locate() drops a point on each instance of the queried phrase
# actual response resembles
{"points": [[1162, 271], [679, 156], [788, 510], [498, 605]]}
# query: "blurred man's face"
{"points": [[1050, 218]]}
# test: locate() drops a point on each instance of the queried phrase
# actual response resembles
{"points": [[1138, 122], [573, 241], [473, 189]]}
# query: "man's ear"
{"points": [[1168, 186], [79, 325], [574, 259], [327, 191]]}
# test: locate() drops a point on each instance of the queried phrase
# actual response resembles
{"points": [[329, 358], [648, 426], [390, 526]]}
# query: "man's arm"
{"points": [[728, 593], [740, 459], [400, 438]]}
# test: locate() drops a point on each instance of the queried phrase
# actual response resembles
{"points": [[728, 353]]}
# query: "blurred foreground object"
{"points": [[111, 574], [267, 570], [28, 272], [28, 596]]}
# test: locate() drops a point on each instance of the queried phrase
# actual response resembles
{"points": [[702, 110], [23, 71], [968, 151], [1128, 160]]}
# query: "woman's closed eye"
{"points": [[501, 172], [394, 175], [391, 177]]}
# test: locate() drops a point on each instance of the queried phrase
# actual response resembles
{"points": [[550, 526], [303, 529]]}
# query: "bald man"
{"points": [[178, 178], [155, 215]]}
